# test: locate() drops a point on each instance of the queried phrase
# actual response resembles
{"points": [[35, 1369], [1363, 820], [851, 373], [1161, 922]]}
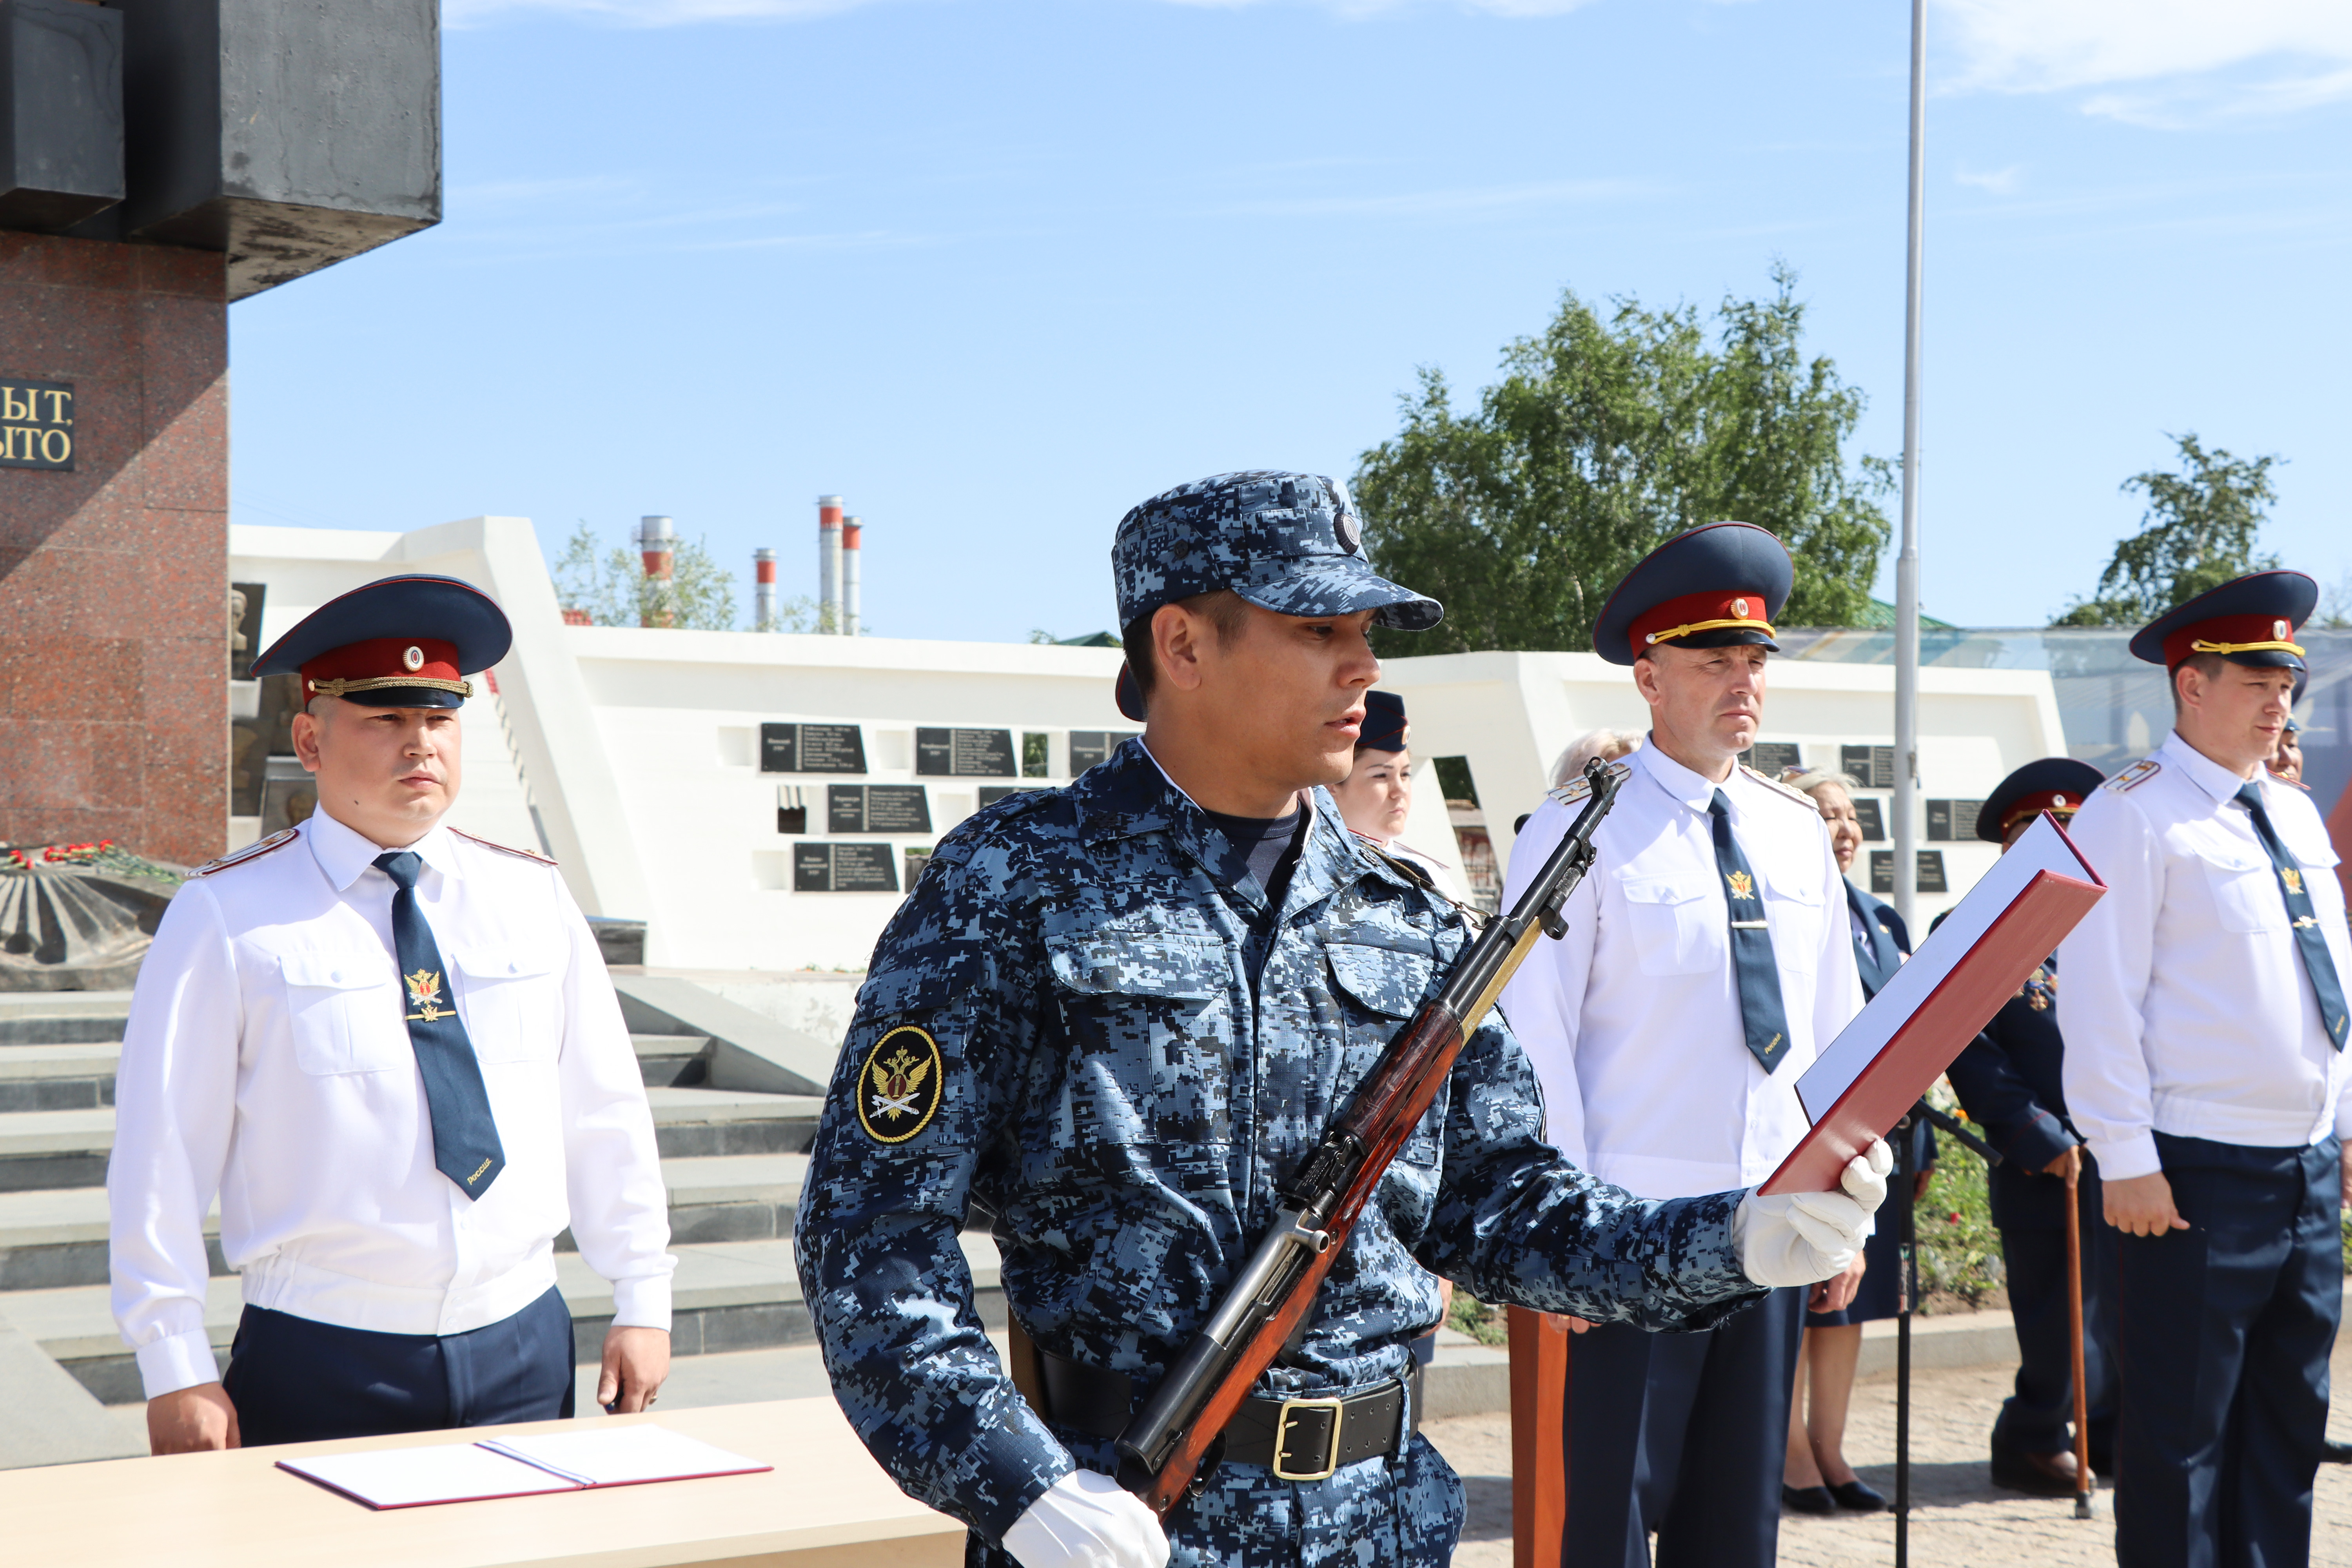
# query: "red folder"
{"points": [[1987, 946]]}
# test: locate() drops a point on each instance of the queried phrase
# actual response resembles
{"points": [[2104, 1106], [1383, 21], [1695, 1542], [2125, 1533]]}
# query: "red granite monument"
{"points": [[161, 160]]}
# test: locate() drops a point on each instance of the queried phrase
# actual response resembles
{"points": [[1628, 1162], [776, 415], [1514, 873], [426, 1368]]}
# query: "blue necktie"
{"points": [[1760, 1011], [466, 1147], [2316, 963]]}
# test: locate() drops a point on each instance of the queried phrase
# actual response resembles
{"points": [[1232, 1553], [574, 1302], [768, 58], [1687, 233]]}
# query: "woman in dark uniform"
{"points": [[1815, 1478]]}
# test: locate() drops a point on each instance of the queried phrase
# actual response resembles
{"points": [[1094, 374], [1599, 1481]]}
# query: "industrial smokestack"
{"points": [[850, 530], [828, 564], [763, 590], [658, 548]]}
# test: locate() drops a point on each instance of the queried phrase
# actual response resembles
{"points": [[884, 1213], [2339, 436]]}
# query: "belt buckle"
{"points": [[1290, 1407]]}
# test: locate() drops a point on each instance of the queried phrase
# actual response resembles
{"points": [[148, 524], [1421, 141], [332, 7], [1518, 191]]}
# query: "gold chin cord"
{"points": [[390, 682], [2276, 645], [1683, 631]]}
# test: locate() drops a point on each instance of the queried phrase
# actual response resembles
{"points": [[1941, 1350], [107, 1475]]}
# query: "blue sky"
{"points": [[996, 272]]}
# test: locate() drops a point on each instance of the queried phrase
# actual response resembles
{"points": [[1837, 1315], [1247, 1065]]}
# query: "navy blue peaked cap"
{"points": [[1384, 727], [1718, 585], [398, 642], [2248, 620], [2052, 784]]}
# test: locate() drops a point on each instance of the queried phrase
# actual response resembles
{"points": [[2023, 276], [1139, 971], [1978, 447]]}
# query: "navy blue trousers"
{"points": [[2038, 1418], [294, 1380], [1684, 1434], [2225, 1330]]}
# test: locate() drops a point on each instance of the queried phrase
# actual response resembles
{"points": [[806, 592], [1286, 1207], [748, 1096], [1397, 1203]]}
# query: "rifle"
{"points": [[1181, 1425]]}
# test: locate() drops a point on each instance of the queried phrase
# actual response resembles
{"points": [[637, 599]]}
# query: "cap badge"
{"points": [[1740, 608], [414, 659], [2279, 630], [2057, 803]]}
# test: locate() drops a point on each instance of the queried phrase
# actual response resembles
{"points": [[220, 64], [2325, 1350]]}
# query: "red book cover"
{"points": [[1987, 946]]}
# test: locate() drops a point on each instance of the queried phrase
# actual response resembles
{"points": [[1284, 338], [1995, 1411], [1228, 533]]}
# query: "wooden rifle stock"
{"points": [[1181, 1424]]}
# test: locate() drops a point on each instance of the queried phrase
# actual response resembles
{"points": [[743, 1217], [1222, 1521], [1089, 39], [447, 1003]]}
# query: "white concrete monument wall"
{"points": [[634, 756]]}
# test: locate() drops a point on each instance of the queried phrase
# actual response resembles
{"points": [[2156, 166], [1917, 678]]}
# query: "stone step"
{"points": [[729, 1296], [62, 1017], [673, 1061], [55, 1149], [54, 1238], [58, 1078]]}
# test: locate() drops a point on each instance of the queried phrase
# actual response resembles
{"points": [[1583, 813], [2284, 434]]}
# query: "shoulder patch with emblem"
{"points": [[277, 840], [1784, 790], [899, 1088], [503, 848], [2132, 777], [1577, 788]]}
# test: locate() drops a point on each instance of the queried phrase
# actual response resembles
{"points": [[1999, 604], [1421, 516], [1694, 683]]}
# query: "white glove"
{"points": [[1802, 1238], [1086, 1520]]}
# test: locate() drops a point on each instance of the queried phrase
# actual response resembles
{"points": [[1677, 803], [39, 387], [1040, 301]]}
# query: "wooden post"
{"points": [[1540, 1351]]}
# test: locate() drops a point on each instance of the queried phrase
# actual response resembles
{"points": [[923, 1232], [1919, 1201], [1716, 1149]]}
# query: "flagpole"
{"points": [[1906, 563]]}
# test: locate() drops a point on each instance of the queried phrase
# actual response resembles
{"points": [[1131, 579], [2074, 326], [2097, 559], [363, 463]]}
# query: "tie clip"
{"points": [[1751, 925]]}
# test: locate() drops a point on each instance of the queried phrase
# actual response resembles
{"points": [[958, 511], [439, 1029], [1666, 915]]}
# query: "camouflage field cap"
{"points": [[1292, 543]]}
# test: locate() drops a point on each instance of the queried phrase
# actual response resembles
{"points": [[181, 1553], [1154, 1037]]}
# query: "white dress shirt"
{"points": [[267, 1060], [2184, 999], [1632, 1018]]}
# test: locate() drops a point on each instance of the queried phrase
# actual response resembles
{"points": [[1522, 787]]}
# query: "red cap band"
{"points": [[386, 661], [2235, 634], [1714, 610]]}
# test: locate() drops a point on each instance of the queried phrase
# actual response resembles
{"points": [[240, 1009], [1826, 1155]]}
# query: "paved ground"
{"points": [[1960, 1520]]}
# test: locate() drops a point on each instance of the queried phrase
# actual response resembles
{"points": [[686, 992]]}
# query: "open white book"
{"points": [[520, 1467], [1883, 1060]]}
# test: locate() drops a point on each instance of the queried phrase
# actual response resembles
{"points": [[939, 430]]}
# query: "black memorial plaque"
{"points": [[964, 754], [876, 809], [865, 869], [991, 793], [1873, 765], [1771, 758], [37, 425], [1931, 872], [1952, 820], [791, 809], [1090, 747], [811, 749], [1873, 821], [845, 868]]}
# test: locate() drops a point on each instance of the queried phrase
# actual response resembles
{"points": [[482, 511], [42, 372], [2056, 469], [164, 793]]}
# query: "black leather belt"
{"points": [[1298, 1439]]}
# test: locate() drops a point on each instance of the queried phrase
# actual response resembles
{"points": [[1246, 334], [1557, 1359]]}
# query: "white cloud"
{"points": [[2156, 62], [1999, 182]]}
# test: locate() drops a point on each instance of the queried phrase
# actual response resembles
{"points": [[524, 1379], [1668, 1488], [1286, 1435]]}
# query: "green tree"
{"points": [[1605, 436], [2198, 533], [613, 589]]}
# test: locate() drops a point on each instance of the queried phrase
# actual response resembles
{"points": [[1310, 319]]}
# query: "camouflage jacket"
{"points": [[1058, 1026]]}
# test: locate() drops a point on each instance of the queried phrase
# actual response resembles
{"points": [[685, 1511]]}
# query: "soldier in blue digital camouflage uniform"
{"points": [[1113, 1016]]}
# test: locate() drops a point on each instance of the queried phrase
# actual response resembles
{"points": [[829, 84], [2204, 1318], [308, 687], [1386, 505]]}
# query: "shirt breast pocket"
{"points": [[2246, 892], [343, 1014], [1147, 1015], [513, 1010], [1676, 927], [1797, 944]]}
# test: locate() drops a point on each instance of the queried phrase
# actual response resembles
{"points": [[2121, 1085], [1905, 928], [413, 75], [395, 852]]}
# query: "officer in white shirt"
{"points": [[392, 1051], [2204, 1014], [1707, 961]]}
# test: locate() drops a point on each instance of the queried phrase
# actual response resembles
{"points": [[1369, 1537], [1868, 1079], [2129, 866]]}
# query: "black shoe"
{"points": [[1807, 1499], [2043, 1475], [1856, 1498], [2330, 1453]]}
